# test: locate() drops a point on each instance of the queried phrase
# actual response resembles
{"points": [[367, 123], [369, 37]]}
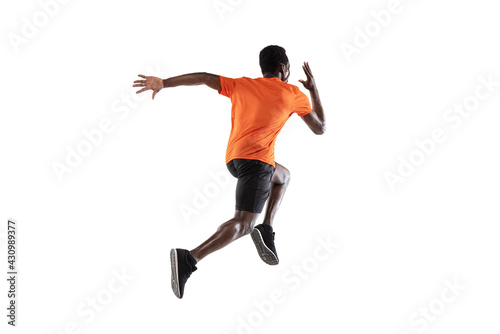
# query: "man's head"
{"points": [[274, 62]]}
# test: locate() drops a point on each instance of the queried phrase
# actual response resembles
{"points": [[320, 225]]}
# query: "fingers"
{"points": [[149, 83], [307, 69], [304, 67], [140, 83]]}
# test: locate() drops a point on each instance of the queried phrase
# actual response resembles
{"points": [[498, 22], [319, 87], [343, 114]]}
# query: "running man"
{"points": [[260, 109]]}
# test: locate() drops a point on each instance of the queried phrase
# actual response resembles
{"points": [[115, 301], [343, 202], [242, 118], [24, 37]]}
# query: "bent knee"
{"points": [[281, 175], [246, 228], [286, 176], [238, 227]]}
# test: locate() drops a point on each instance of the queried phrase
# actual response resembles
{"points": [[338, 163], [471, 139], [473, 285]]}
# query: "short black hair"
{"points": [[271, 57]]}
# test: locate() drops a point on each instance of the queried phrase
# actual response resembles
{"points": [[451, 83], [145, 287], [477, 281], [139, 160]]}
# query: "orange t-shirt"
{"points": [[260, 108]]}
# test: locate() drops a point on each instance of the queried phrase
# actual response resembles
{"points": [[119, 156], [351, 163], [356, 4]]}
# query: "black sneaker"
{"points": [[263, 238], [183, 264]]}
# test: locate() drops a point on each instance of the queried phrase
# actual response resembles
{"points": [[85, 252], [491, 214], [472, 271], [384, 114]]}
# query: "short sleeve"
{"points": [[227, 86], [302, 106]]}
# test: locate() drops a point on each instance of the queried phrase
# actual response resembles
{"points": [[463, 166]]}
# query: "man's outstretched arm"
{"points": [[192, 79], [315, 120]]}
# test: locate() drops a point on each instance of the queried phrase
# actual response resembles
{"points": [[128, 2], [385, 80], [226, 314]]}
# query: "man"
{"points": [[260, 108]]}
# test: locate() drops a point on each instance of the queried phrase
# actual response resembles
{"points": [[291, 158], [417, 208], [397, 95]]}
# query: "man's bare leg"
{"points": [[183, 262], [263, 235], [242, 224], [279, 183]]}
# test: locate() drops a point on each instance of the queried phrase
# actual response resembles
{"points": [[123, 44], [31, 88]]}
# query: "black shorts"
{"points": [[254, 183]]}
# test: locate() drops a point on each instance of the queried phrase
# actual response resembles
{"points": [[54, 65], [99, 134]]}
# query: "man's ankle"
{"points": [[195, 255]]}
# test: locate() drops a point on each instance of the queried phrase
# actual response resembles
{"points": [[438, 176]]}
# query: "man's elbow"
{"points": [[320, 129]]}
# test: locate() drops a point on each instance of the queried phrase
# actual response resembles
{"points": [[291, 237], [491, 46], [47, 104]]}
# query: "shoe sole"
{"points": [[265, 253], [175, 273]]}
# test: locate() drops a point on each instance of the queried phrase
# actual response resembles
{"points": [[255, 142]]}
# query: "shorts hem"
{"points": [[239, 208], [273, 164]]}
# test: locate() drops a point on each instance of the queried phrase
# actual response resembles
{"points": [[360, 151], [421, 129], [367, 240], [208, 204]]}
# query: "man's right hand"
{"points": [[315, 120], [153, 83], [309, 84]]}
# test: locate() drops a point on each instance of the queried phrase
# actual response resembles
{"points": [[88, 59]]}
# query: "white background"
{"points": [[120, 208]]}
